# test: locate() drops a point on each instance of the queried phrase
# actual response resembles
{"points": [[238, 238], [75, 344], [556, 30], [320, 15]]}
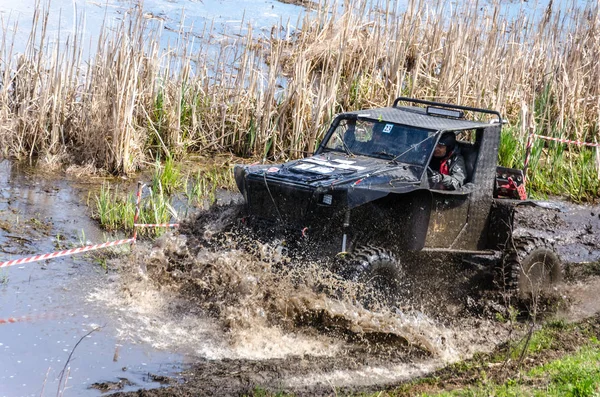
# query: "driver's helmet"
{"points": [[448, 139]]}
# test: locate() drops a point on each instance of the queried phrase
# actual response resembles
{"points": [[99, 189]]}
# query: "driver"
{"points": [[447, 164]]}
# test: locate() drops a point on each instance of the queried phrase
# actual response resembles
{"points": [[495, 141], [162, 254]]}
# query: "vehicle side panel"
{"points": [[448, 216], [476, 231], [397, 221]]}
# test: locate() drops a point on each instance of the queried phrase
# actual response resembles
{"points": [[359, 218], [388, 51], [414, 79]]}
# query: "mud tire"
{"points": [[376, 267], [530, 268]]}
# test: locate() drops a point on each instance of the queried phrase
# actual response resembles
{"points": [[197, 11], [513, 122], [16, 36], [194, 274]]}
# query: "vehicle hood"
{"points": [[364, 178]]}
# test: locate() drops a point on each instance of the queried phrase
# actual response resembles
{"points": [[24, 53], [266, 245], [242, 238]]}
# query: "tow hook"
{"points": [[345, 228]]}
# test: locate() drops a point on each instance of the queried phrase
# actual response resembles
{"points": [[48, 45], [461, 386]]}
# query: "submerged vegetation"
{"points": [[272, 97]]}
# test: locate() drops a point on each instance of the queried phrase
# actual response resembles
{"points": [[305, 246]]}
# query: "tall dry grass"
{"points": [[273, 95]]}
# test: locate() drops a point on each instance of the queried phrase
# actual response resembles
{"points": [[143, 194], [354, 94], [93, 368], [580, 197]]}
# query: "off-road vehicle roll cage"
{"points": [[408, 134]]}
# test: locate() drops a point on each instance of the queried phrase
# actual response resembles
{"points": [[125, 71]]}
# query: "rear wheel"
{"points": [[531, 268], [376, 267]]}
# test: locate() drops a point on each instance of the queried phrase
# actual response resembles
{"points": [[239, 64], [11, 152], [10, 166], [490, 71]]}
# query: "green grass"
{"points": [[555, 169], [561, 170], [115, 209], [573, 375], [510, 151], [576, 375], [167, 177], [206, 182], [542, 339]]}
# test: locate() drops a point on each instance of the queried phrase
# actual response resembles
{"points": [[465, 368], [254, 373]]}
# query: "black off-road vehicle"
{"points": [[366, 193]]}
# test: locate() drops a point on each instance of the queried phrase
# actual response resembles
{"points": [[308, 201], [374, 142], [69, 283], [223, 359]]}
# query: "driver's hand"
{"points": [[436, 177]]}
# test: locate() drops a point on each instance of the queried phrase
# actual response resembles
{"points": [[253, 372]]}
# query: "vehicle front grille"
{"points": [[278, 201]]}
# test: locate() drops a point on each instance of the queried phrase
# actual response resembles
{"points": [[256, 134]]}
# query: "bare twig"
{"points": [[62, 373]]}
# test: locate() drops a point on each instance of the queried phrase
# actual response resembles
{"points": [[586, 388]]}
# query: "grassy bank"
{"points": [[273, 96], [559, 360]]}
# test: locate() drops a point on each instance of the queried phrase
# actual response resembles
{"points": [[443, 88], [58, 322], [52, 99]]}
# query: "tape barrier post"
{"points": [[137, 210], [530, 140], [65, 253], [137, 215]]}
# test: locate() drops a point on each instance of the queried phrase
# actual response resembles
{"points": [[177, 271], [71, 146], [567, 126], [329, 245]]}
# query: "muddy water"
{"points": [[38, 215], [259, 322]]}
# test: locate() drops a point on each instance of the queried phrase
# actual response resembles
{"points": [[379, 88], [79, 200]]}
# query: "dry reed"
{"points": [[273, 96]]}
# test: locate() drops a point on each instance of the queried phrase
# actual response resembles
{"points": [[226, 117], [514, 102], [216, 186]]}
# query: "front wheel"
{"points": [[376, 267]]}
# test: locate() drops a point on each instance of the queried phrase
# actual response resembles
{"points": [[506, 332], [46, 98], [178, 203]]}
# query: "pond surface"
{"points": [[50, 299], [197, 16], [232, 16]]}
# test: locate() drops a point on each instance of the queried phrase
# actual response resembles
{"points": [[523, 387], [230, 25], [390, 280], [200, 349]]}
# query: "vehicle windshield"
{"points": [[383, 140]]}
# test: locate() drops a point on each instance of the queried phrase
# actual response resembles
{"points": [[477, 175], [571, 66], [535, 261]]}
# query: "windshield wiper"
{"points": [[390, 156]]}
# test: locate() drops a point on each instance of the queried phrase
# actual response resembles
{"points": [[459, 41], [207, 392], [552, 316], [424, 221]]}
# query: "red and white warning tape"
{"points": [[65, 253], [561, 140], [156, 225], [12, 320]]}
